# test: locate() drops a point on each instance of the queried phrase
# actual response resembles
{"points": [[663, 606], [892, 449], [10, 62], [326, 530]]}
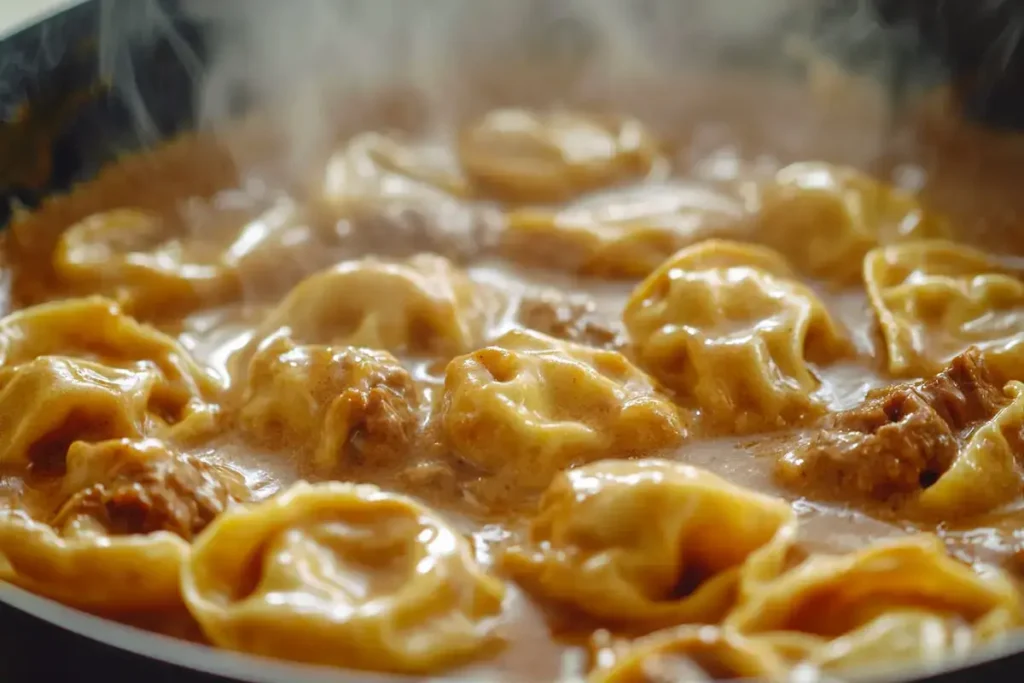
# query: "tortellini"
{"points": [[156, 273], [989, 469], [529, 405], [342, 574], [374, 168], [118, 538], [48, 404], [97, 329], [934, 299], [728, 328], [651, 541], [391, 197], [621, 235], [897, 599], [123, 487], [693, 654], [349, 406], [82, 369], [130, 254], [423, 305], [520, 156], [826, 218], [947, 447]]}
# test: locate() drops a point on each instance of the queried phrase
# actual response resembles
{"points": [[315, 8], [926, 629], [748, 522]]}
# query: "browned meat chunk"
{"points": [[572, 318], [900, 440], [141, 487], [346, 406]]}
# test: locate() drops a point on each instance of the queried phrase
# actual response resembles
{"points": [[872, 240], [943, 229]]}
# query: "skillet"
{"points": [[58, 125]]}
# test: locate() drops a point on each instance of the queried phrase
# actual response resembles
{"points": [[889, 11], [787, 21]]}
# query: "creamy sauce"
{"points": [[214, 335]]}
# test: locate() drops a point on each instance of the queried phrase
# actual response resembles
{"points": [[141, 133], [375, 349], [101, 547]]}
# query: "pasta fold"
{"points": [[529, 406], [825, 218], [690, 653], [727, 327], [622, 234], [519, 156], [342, 574], [934, 299], [348, 407], [119, 534], [422, 305], [902, 599], [132, 256], [652, 542]]}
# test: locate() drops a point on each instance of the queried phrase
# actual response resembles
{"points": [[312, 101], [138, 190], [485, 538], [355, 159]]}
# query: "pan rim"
{"points": [[249, 668]]}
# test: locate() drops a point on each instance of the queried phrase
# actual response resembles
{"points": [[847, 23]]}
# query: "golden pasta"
{"points": [[529, 406], [727, 327], [96, 329], [621, 234], [120, 533], [373, 167], [519, 156], [562, 396], [934, 299], [345, 575], [825, 218], [595, 544], [422, 305], [831, 609], [50, 403], [127, 253], [691, 653], [349, 407]]}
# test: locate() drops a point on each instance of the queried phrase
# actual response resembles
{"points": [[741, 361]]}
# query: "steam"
{"points": [[320, 69]]}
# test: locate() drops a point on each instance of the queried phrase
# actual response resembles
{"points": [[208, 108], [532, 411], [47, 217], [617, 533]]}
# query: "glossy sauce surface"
{"points": [[372, 199]]}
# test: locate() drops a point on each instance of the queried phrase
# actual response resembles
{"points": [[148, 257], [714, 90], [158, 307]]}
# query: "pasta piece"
{"points": [[825, 218], [124, 487], [693, 654], [349, 406], [934, 299], [904, 637], [620, 235], [393, 198], [155, 271], [51, 402], [833, 605], [727, 327], [134, 257], [373, 167], [947, 447], [116, 573], [344, 575], [574, 318], [119, 538], [423, 305], [989, 469], [97, 329], [529, 406], [651, 541], [518, 156]]}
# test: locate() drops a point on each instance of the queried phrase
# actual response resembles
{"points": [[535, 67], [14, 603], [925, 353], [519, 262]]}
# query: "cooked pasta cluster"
{"points": [[396, 421]]}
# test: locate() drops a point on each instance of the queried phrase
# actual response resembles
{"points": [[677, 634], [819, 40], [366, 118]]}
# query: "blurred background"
{"points": [[15, 12]]}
